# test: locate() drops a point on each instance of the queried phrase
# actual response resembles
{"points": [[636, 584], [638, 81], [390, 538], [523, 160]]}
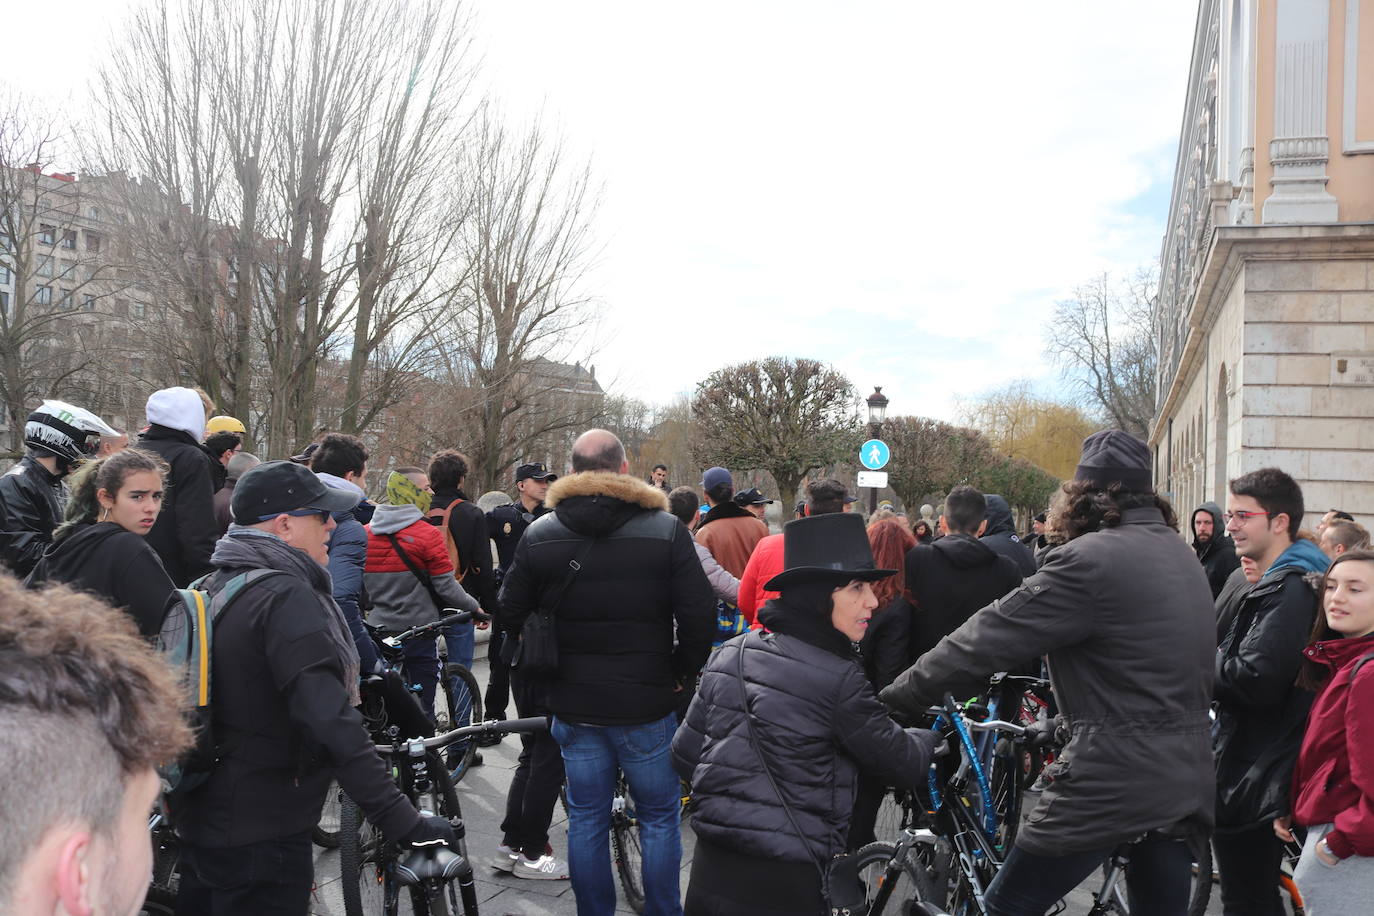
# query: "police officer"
{"points": [[505, 524]]}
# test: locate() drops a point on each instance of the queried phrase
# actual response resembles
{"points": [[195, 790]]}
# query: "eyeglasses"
{"points": [[1240, 515]]}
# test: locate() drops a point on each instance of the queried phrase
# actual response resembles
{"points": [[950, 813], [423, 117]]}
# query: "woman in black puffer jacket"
{"points": [[817, 722]]}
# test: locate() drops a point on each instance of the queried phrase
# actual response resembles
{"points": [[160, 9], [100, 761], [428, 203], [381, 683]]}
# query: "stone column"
{"points": [[1300, 146]]}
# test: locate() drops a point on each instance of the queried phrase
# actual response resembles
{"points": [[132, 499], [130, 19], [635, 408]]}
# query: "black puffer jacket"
{"points": [[819, 722], [1217, 554], [1260, 712], [185, 532], [108, 560], [639, 578], [1001, 535], [949, 580], [29, 511]]}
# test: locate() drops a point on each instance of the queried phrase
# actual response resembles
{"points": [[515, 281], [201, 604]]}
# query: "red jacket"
{"points": [[764, 563], [1333, 782]]}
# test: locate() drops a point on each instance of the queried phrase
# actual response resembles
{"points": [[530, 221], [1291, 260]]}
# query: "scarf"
{"points": [[400, 491], [803, 611], [249, 547]]}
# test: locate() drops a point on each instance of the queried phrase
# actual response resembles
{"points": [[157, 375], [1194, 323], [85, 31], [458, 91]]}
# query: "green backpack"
{"points": [[187, 642]]}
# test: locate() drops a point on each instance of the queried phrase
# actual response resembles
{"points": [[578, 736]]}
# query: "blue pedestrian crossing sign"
{"points": [[873, 454]]}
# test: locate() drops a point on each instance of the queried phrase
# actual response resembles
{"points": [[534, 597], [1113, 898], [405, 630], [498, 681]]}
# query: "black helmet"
{"points": [[66, 432]]}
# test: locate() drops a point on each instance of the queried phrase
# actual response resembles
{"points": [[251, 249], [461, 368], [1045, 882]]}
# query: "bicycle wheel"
{"points": [[625, 846], [365, 879], [463, 702], [326, 832], [1005, 782], [886, 892], [460, 894]]}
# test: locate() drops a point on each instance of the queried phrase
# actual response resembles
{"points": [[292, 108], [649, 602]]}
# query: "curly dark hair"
{"points": [[447, 469], [1082, 508]]}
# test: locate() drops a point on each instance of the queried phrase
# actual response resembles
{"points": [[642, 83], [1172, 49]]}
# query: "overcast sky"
{"points": [[902, 189]]}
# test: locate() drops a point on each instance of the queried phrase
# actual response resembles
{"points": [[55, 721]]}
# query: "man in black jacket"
{"points": [[619, 574], [1260, 711], [285, 686], [1001, 536], [32, 495], [955, 576], [1215, 551], [185, 531]]}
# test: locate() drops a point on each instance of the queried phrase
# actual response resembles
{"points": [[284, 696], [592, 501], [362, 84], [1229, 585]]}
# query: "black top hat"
{"points": [[831, 547]]}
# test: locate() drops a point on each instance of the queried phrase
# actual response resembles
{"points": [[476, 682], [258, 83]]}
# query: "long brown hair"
{"points": [[890, 541], [1312, 675]]}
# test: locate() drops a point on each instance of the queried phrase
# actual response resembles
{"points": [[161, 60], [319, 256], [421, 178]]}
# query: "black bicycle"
{"points": [[377, 874], [162, 889]]}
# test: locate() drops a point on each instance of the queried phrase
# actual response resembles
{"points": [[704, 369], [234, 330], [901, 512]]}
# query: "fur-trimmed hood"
{"points": [[595, 503], [600, 483]]}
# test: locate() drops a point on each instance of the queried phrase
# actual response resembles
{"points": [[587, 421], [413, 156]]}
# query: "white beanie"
{"points": [[178, 408]]}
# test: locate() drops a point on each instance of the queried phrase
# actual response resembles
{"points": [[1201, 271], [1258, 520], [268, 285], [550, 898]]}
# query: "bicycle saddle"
{"points": [[427, 864]]}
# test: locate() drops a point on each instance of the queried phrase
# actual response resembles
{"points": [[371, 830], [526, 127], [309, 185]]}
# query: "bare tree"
{"points": [[930, 457], [519, 305], [787, 417], [1103, 340], [1021, 424]]}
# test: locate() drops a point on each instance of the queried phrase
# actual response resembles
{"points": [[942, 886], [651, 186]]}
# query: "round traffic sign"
{"points": [[874, 454]]}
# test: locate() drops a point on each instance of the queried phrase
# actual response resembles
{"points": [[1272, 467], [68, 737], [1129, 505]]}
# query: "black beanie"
{"points": [[1113, 456]]}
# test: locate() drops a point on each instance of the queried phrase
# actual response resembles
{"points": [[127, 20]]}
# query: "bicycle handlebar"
{"points": [[996, 725], [495, 726], [394, 642]]}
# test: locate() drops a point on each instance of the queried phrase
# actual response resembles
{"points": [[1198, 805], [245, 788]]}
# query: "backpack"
{"points": [[187, 642], [440, 518]]}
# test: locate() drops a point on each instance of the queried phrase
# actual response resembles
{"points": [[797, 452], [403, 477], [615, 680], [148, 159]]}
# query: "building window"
{"points": [[139, 310], [69, 239], [88, 301], [4, 302], [4, 276], [66, 300], [47, 234], [121, 307], [93, 213], [93, 242], [42, 295], [68, 268], [44, 265]]}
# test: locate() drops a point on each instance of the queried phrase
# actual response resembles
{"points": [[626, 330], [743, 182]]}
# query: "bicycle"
{"points": [[437, 880], [162, 888], [625, 849], [462, 696]]}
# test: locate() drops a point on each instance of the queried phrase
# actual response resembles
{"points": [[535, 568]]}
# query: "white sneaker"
{"points": [[505, 859], [544, 868]]}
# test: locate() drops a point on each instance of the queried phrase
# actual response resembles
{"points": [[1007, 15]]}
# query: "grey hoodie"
{"points": [[400, 599]]}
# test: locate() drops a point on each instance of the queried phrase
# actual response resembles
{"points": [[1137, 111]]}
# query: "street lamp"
{"points": [[877, 412]]}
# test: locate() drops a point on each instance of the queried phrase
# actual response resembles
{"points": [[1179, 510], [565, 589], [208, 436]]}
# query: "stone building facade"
{"points": [[1265, 313]]}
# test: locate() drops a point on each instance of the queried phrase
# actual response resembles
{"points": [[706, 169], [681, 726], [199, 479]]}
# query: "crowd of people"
{"points": [[1209, 694]]}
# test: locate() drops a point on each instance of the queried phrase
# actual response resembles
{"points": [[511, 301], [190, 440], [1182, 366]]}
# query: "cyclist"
{"points": [[1123, 610], [285, 682], [57, 436], [102, 548]]}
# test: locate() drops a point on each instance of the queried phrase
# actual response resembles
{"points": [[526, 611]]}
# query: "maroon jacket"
{"points": [[1334, 778]]}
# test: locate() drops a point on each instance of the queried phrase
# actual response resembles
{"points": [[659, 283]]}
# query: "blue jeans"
{"points": [[460, 639], [591, 756]]}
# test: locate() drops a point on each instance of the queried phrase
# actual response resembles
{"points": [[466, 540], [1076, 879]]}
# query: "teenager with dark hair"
{"points": [[340, 460], [685, 506], [102, 547], [1260, 710]]}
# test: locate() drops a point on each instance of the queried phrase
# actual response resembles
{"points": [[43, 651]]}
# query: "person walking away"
{"points": [[88, 711], [185, 532], [340, 460], [1341, 536], [102, 547], [686, 508], [1215, 550], [951, 579], [57, 437], [1333, 782], [729, 531], [1260, 709], [823, 497], [636, 583], [240, 464], [286, 678], [401, 598], [506, 525], [1121, 609], [781, 729], [1001, 536]]}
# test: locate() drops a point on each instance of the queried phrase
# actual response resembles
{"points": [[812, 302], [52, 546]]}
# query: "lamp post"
{"points": [[877, 412]]}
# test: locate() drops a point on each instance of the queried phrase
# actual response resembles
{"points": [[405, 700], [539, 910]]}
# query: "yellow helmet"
{"points": [[224, 425]]}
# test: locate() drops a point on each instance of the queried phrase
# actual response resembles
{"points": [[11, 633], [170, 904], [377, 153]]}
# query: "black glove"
{"points": [[931, 742], [432, 828]]}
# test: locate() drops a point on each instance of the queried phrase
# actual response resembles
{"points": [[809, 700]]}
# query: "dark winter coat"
{"points": [[505, 526], [949, 580], [1260, 710], [1217, 555], [108, 560], [615, 620], [1228, 602], [1334, 779], [282, 663], [347, 559], [819, 724], [30, 510], [467, 525], [1125, 616], [1001, 535], [224, 517], [185, 532], [886, 646]]}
